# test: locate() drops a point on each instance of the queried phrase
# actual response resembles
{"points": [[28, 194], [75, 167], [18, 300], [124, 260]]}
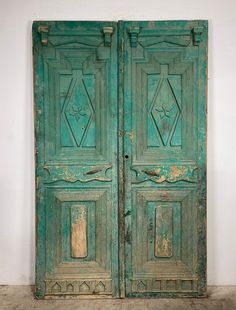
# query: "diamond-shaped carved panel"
{"points": [[78, 110], [165, 111]]}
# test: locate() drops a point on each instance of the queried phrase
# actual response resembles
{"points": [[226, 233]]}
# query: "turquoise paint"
{"points": [[121, 127]]}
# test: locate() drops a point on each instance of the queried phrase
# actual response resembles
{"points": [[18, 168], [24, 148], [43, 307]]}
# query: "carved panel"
{"points": [[76, 101], [77, 114], [78, 240], [163, 243], [164, 103], [165, 110]]}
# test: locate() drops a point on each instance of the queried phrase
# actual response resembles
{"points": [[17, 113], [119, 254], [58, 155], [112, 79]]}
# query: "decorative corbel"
{"points": [[134, 31], [43, 30], [108, 31], [197, 33]]}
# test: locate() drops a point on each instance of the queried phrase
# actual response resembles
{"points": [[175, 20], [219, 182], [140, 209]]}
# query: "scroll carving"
{"points": [[160, 174], [77, 173]]}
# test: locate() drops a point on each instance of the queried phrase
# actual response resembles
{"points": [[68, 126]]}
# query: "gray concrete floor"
{"points": [[21, 298]]}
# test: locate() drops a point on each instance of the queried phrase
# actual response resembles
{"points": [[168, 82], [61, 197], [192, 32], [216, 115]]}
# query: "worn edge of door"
{"points": [[121, 181], [39, 197]]}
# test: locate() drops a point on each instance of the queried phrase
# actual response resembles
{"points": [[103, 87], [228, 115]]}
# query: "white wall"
{"points": [[16, 119]]}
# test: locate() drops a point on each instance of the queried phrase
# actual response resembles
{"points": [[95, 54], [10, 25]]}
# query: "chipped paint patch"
{"points": [[159, 174]]}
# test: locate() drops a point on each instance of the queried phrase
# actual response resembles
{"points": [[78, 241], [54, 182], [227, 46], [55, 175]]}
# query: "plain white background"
{"points": [[16, 121]]}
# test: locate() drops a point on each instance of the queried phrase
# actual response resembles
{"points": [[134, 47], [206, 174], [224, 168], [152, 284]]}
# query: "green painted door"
{"points": [[120, 158], [76, 158], [165, 175]]}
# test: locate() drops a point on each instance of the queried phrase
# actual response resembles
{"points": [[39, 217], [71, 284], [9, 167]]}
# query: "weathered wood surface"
{"points": [[79, 231], [120, 123], [165, 77]]}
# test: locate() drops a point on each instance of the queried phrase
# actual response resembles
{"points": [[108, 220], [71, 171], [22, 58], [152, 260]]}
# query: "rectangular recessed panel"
{"points": [[164, 232], [65, 227], [79, 231]]}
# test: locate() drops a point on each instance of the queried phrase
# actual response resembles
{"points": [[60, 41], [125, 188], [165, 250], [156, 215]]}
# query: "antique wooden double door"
{"points": [[120, 158]]}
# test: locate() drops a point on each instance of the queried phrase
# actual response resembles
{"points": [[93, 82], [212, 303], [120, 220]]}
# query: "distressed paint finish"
{"points": [[165, 77], [120, 123], [79, 231], [164, 230], [165, 173], [75, 71]]}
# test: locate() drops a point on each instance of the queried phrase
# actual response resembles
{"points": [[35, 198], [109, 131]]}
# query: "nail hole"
{"points": [[126, 156]]}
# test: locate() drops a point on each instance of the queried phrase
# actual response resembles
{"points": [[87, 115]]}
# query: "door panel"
{"points": [[164, 143], [76, 169]]}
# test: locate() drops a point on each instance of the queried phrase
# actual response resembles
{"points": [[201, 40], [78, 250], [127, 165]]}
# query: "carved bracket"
{"points": [[108, 31], [134, 31], [43, 31], [171, 174], [77, 173], [197, 33]]}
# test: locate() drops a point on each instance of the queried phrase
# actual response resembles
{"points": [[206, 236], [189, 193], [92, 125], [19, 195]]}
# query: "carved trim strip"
{"points": [[164, 285], [160, 174], [77, 173], [79, 287]]}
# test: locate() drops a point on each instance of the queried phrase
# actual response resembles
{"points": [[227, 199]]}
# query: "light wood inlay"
{"points": [[79, 231]]}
